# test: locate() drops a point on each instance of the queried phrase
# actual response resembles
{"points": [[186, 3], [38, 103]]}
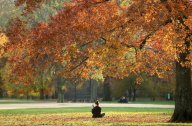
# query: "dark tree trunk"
{"points": [[75, 93], [60, 96], [60, 91], [41, 89], [130, 93], [1, 93], [93, 86], [107, 95], [56, 94], [2, 64], [42, 94], [27, 95], [134, 94], [183, 95], [1, 89]]}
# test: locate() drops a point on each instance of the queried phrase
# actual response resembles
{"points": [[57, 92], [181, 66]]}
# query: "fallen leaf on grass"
{"points": [[84, 118]]}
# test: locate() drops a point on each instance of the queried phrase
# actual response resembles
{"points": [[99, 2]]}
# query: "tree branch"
{"points": [[79, 64], [129, 46], [151, 34], [85, 44]]}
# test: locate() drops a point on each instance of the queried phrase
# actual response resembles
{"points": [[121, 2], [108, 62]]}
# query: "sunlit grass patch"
{"points": [[111, 118], [73, 116]]}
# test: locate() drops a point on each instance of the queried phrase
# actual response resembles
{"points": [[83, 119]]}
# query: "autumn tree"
{"points": [[101, 32]]}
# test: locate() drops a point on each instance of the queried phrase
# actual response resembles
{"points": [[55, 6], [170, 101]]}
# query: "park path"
{"points": [[62, 105]]}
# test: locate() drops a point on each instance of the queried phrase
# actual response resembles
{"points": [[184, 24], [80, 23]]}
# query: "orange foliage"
{"points": [[48, 91], [119, 40], [10, 92]]}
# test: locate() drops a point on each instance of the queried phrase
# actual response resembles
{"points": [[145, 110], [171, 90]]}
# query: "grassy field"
{"points": [[145, 102], [82, 109], [82, 116], [35, 102], [24, 101]]}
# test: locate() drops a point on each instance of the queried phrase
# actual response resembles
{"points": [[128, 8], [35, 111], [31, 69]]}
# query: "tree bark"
{"points": [[183, 94], [41, 90], [60, 91], [56, 94], [2, 64], [60, 97], [130, 93], [27, 95], [107, 95], [1, 89], [134, 94], [41, 94], [1, 93], [93, 86]]}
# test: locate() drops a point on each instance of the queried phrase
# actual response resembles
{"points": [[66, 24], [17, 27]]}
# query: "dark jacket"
{"points": [[96, 112]]}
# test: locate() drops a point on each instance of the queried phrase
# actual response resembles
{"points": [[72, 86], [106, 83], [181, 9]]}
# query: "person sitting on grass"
{"points": [[96, 111], [123, 100]]}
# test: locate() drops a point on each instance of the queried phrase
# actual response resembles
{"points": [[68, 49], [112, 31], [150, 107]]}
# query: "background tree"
{"points": [[106, 89], [151, 87], [3, 60], [121, 86]]}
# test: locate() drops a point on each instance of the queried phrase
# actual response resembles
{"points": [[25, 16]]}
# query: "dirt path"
{"points": [[61, 105]]}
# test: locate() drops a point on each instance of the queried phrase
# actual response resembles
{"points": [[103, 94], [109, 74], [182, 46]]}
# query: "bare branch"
{"points": [[151, 34]]}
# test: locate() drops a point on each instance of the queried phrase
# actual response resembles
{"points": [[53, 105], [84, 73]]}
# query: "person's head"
{"points": [[97, 103]]}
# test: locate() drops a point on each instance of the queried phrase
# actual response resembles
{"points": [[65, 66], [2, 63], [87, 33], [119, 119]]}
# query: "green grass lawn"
{"points": [[23, 101], [82, 109], [144, 102]]}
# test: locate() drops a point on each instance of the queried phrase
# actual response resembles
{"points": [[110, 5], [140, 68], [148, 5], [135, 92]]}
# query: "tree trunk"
{"points": [[41, 94], [60, 97], [107, 95], [75, 93], [93, 85], [56, 94], [1, 89], [1, 93], [41, 90], [60, 91], [130, 93], [183, 95], [134, 94], [2, 65], [27, 95]]}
